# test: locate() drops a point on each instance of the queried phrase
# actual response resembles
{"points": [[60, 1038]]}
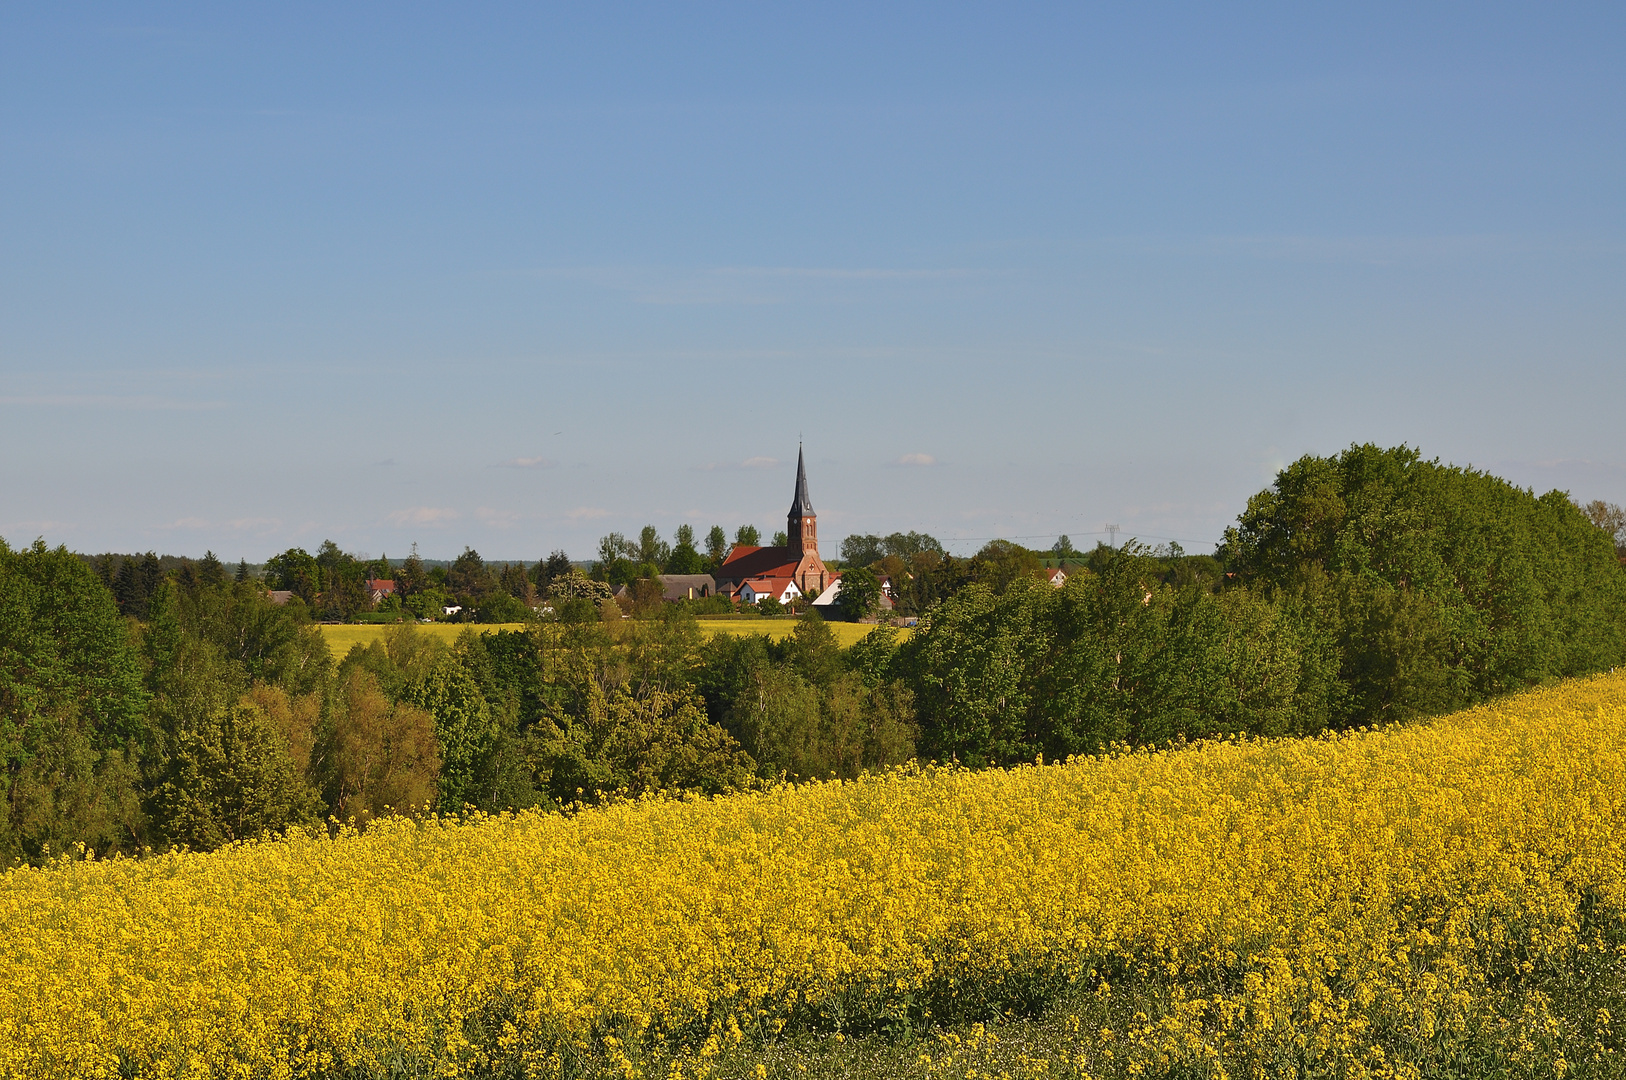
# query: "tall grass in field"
{"points": [[1372, 904]]}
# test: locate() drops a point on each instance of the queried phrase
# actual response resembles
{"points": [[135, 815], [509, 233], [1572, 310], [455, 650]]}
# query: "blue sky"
{"points": [[513, 276]]}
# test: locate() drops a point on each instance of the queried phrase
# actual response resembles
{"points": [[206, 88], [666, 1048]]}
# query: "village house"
{"points": [[782, 589], [675, 587]]}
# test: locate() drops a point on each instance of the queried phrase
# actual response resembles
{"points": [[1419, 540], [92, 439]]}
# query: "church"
{"points": [[751, 573]]}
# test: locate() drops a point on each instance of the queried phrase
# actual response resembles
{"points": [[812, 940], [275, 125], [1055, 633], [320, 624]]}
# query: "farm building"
{"points": [[675, 587]]}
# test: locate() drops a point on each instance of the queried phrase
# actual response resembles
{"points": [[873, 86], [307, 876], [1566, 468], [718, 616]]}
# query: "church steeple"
{"points": [[800, 506], [801, 524]]}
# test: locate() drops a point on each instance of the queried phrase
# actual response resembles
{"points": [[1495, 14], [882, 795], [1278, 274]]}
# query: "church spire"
{"points": [[801, 506]]}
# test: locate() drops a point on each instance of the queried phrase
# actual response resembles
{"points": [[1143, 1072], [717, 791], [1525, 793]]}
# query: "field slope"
{"points": [[1420, 900], [341, 637]]}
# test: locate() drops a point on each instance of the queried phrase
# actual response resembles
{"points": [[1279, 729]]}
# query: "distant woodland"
{"points": [[151, 702]]}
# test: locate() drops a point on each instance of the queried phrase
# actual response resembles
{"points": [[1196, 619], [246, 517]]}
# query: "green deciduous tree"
{"points": [[716, 546], [860, 594], [73, 709], [1117, 655], [1443, 585], [638, 744], [862, 549], [229, 775], [684, 558], [377, 756], [464, 728]]}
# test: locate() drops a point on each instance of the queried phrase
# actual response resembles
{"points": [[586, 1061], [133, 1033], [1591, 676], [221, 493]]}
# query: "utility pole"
{"points": [[1112, 536]]}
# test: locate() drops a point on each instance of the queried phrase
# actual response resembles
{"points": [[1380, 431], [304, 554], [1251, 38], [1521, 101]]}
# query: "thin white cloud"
{"points": [[917, 459], [587, 513], [748, 463], [253, 524], [424, 515], [186, 523], [497, 519], [130, 402], [527, 463], [841, 273], [743, 284], [43, 526]]}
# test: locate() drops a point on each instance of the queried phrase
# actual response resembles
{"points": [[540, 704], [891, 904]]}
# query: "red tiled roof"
{"points": [[752, 562], [380, 585], [770, 586]]}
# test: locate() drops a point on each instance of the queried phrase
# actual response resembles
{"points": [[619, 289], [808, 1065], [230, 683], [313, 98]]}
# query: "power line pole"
{"points": [[1112, 536]]}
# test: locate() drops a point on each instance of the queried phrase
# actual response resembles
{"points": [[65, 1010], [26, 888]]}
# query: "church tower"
{"points": [[802, 524]]}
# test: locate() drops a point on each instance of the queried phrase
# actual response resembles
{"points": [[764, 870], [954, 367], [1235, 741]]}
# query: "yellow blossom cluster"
{"points": [[1317, 900]]}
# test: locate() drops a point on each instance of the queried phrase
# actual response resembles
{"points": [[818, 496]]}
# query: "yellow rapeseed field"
{"points": [[340, 637], [1345, 903]]}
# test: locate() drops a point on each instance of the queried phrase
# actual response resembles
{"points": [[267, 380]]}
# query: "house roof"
{"points": [[772, 586], [677, 586], [801, 506], [748, 562], [381, 584]]}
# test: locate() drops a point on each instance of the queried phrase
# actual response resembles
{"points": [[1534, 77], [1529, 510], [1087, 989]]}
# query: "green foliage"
{"points": [[501, 607], [1118, 655], [73, 709], [684, 559], [800, 730], [573, 584], [871, 657], [716, 547], [1367, 588], [556, 565], [429, 602], [62, 792], [747, 536], [867, 549], [377, 755], [1442, 586], [860, 594], [477, 589], [464, 728], [617, 560], [63, 650], [330, 583], [801, 708], [296, 571], [396, 659], [633, 745], [651, 548], [229, 775], [1610, 518], [272, 642], [517, 584]]}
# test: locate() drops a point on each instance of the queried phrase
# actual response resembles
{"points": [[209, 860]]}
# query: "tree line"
{"points": [[144, 707]]}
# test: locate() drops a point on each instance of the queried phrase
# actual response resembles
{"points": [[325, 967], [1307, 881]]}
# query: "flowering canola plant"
{"points": [[1337, 900]]}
